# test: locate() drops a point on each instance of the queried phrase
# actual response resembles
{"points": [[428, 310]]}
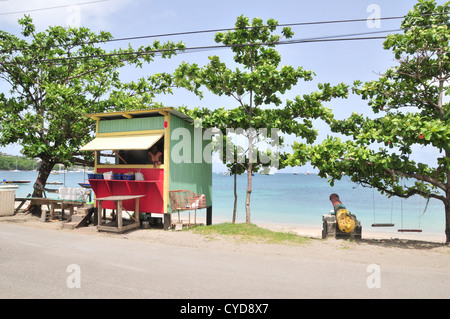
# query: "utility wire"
{"points": [[234, 29], [334, 38], [256, 27], [212, 47], [199, 48], [49, 8]]}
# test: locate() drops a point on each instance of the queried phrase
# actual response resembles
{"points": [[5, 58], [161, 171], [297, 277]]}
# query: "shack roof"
{"points": [[139, 113]]}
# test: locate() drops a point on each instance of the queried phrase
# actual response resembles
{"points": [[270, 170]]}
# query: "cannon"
{"points": [[345, 221], [340, 224]]}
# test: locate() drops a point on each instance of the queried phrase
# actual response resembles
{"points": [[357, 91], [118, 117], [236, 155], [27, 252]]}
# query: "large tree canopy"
{"points": [[412, 110], [257, 87], [58, 76]]}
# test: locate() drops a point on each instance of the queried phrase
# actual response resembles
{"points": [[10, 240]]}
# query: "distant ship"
{"points": [[16, 182]]}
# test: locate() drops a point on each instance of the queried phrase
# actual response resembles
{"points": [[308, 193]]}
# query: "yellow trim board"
{"points": [[166, 162], [130, 133]]}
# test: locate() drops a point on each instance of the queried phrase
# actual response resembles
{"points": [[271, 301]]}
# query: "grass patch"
{"points": [[251, 232]]}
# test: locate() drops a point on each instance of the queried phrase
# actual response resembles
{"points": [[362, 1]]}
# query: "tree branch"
{"points": [[424, 178], [410, 193]]}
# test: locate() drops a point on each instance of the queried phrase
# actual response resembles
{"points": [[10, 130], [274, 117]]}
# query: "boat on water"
{"points": [[85, 185], [16, 182]]}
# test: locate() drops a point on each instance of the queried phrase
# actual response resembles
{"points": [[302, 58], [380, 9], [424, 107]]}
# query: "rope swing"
{"points": [[409, 230], [375, 224]]}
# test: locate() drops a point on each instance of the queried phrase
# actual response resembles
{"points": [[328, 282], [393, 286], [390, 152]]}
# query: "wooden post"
{"points": [[208, 215], [52, 210], [136, 212], [99, 214], [119, 214], [96, 213], [43, 215], [62, 211], [167, 221]]}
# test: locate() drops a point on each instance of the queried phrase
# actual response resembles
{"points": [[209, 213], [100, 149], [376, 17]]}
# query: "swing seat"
{"points": [[410, 230], [383, 225]]}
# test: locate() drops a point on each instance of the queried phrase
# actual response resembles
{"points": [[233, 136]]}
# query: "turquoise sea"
{"points": [[303, 199], [293, 200]]}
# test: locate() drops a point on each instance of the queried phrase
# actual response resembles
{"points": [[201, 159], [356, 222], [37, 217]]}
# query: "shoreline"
{"points": [[314, 231], [306, 230]]}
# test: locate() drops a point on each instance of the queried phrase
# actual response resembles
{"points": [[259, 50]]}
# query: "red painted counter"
{"points": [[152, 186]]}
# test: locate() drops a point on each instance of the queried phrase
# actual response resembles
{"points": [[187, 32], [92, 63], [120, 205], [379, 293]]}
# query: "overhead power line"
{"points": [[199, 48], [334, 38], [161, 35], [249, 27], [50, 8]]}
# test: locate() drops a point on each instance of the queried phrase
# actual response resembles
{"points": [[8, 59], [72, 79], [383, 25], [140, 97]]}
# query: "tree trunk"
{"points": [[447, 222], [249, 177], [44, 172], [235, 199], [447, 205], [249, 193]]}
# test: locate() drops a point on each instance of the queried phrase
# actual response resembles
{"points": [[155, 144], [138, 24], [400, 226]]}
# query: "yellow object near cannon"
{"points": [[345, 222]]}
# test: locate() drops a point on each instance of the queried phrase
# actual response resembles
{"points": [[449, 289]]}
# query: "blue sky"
{"points": [[332, 62]]}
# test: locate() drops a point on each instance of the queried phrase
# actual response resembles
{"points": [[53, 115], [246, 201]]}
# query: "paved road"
{"points": [[40, 263]]}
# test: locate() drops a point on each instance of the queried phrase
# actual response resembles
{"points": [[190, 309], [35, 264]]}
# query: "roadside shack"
{"points": [[145, 158]]}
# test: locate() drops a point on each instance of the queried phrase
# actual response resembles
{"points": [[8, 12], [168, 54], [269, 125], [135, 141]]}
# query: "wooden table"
{"points": [[53, 203], [118, 226]]}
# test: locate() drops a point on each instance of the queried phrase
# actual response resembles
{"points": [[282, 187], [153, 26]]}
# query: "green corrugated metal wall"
{"points": [[196, 177], [127, 125]]}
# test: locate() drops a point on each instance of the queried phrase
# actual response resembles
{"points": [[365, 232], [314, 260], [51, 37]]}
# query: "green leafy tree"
{"points": [[58, 76], [9, 162], [229, 123], [256, 88], [412, 109], [257, 84]]}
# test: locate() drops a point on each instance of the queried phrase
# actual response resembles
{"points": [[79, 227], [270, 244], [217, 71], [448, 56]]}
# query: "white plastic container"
{"points": [[63, 192], [7, 199], [79, 193], [139, 176], [108, 175], [71, 193]]}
